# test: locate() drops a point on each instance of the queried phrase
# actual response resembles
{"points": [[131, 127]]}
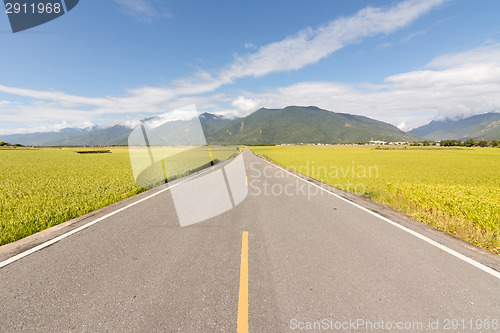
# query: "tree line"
{"points": [[3, 144], [460, 143]]}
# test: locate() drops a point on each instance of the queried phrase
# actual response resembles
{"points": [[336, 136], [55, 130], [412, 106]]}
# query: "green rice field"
{"points": [[456, 190]]}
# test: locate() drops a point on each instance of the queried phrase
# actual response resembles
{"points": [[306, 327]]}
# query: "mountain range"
{"points": [[92, 136], [293, 124], [296, 124], [484, 126]]}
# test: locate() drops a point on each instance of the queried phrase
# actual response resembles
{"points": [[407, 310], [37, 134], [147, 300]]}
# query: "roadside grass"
{"points": [[40, 188], [453, 190]]}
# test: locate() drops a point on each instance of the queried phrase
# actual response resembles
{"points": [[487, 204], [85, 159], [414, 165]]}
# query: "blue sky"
{"points": [[117, 61]]}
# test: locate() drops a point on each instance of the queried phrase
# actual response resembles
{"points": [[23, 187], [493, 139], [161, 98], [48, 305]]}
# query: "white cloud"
{"points": [[485, 54], [186, 113], [402, 126], [311, 45], [245, 105], [131, 123], [60, 97], [143, 10], [250, 46], [52, 127]]}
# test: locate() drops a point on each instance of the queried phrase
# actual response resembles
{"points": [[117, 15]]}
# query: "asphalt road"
{"points": [[312, 258]]}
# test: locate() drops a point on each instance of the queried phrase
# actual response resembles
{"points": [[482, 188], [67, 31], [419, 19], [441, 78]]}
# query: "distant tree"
{"points": [[469, 143], [448, 143], [3, 144], [495, 143], [482, 143]]}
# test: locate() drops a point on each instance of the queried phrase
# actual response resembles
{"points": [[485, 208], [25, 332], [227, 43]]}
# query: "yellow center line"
{"points": [[242, 321]]}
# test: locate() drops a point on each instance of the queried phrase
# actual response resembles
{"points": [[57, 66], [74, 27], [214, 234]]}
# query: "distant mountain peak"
{"points": [[211, 116], [482, 126], [306, 124]]}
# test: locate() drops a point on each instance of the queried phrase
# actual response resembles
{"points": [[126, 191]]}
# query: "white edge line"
{"points": [[69, 233], [414, 233]]}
